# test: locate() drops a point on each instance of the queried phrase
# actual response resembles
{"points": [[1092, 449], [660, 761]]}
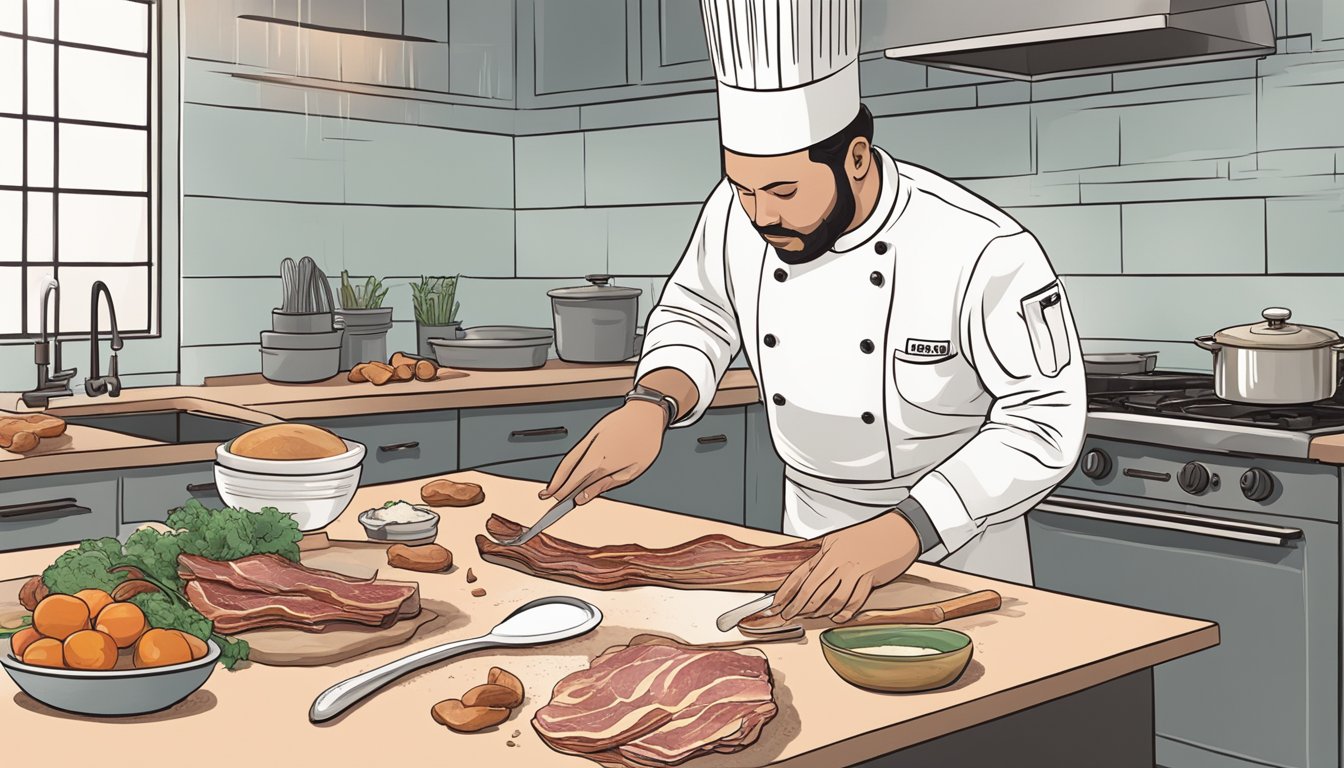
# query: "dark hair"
{"points": [[831, 151]]}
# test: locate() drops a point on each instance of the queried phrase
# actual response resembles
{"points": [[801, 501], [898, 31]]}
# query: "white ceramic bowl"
{"points": [[114, 692], [313, 500], [353, 457]]}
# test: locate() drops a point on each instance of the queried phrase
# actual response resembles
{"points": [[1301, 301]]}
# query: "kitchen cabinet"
{"points": [[578, 46], [764, 482], [148, 494], [57, 509], [672, 36], [699, 472], [480, 48], [401, 446], [513, 433]]}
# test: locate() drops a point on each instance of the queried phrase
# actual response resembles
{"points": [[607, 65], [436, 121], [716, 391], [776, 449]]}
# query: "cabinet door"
{"points": [[578, 46], [401, 446], [512, 433], [699, 471], [57, 509], [673, 36], [764, 498], [150, 493]]}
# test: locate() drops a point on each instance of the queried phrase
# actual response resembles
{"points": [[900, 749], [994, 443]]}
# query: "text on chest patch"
{"points": [[927, 348]]}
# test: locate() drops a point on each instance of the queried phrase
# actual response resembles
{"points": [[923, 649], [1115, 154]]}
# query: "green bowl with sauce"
{"points": [[897, 658]]}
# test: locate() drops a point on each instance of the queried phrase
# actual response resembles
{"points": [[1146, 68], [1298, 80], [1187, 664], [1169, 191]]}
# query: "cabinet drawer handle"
{"points": [[712, 439], [1144, 474], [399, 447], [201, 488], [543, 432], [54, 508]]}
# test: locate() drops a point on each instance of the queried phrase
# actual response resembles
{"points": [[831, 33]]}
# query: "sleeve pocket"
{"points": [[1047, 329]]}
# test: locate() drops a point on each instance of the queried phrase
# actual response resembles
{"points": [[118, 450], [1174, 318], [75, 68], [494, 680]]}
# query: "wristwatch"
{"points": [[647, 394]]}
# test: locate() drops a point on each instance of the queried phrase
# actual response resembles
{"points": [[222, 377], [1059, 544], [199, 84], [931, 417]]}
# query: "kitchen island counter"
{"points": [[1048, 669]]}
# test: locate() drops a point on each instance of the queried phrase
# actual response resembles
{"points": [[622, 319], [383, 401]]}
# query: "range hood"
{"points": [[1044, 39]]}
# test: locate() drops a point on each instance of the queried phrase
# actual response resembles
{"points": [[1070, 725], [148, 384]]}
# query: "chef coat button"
{"points": [[880, 247], [781, 275], [876, 279], [770, 340], [867, 346], [778, 398], [868, 418]]}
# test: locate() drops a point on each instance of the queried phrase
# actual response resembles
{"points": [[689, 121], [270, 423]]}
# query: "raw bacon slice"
{"points": [[709, 562], [657, 705], [234, 610], [275, 575], [269, 591]]}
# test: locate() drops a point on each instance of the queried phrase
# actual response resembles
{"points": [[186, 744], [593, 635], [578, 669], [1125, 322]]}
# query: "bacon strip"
{"points": [[269, 591], [658, 705], [709, 562]]}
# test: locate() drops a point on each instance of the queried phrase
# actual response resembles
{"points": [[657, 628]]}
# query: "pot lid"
{"points": [[1276, 333], [598, 288]]}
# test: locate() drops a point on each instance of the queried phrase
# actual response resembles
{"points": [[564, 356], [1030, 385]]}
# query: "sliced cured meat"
{"points": [[275, 575], [709, 562], [269, 591], [235, 610], [657, 704]]}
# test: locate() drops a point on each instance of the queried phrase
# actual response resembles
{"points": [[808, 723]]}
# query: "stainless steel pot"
{"points": [[1274, 362], [595, 323]]}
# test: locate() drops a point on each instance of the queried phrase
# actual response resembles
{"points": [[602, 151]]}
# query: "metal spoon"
{"points": [[547, 620]]}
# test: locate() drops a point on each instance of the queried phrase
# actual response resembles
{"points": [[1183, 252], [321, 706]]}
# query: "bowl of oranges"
{"points": [[89, 654]]}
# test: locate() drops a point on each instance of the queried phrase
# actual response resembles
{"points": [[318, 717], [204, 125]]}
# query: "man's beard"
{"points": [[824, 237]]}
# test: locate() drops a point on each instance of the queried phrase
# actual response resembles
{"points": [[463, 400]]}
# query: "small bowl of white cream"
{"points": [[897, 658], [400, 522]]}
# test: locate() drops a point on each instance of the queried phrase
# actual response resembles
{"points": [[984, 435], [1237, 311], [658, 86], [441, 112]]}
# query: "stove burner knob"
{"points": [[1257, 484], [1096, 464], [1194, 478]]}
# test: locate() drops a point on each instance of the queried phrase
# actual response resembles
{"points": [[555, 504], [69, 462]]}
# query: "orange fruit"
{"points": [[44, 653], [96, 599], [59, 616], [20, 641], [123, 622], [196, 644], [161, 647], [90, 649]]}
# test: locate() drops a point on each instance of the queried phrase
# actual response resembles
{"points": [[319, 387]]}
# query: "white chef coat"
{"points": [[931, 354]]}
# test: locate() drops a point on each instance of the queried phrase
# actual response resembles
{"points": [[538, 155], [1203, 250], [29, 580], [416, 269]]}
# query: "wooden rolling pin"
{"points": [[984, 601]]}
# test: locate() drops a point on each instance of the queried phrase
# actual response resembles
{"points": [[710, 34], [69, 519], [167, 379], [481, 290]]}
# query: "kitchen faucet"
{"points": [[110, 384], [51, 380]]}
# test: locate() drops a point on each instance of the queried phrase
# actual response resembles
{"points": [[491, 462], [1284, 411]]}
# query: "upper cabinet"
{"points": [[579, 46], [672, 36], [480, 47]]}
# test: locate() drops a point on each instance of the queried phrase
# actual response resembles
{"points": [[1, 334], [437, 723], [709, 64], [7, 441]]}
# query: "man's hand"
{"points": [[618, 449], [852, 562]]}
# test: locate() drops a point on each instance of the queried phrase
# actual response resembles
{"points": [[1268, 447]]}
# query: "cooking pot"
{"points": [[1274, 362], [595, 323]]}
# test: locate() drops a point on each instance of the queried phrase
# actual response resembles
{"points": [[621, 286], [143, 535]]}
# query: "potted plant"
{"points": [[435, 311], [365, 321]]}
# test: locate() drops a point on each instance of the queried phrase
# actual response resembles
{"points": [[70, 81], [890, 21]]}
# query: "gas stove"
{"points": [[1181, 410]]}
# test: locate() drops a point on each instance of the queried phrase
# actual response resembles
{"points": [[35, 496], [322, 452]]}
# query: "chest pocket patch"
{"points": [[924, 351], [1047, 329]]}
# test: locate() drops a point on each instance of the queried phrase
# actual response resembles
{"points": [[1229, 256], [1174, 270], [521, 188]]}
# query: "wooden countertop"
{"points": [[253, 399], [1039, 647]]}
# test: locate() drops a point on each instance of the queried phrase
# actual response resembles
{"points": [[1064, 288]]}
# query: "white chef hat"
{"points": [[788, 71]]}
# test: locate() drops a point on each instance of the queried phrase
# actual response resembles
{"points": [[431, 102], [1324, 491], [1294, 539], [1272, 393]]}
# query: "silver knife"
{"points": [[558, 511], [730, 619]]}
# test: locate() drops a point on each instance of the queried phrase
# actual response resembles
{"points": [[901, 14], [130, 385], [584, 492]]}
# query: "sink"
{"points": [[176, 427]]}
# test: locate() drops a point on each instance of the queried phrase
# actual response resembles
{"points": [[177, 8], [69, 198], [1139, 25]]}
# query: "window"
{"points": [[78, 114]]}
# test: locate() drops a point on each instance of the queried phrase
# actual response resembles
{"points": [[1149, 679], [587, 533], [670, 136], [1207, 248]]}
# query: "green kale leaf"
{"points": [[86, 567]]}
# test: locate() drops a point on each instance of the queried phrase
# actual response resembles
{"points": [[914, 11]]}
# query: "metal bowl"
{"points": [[495, 347], [897, 674], [115, 692]]}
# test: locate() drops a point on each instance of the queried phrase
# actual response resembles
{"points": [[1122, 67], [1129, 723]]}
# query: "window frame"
{"points": [[157, 206]]}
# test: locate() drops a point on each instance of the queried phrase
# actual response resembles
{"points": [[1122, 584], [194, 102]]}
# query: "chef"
{"points": [[914, 349]]}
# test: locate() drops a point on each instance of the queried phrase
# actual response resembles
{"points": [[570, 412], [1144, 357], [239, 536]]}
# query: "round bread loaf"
{"points": [[288, 442]]}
